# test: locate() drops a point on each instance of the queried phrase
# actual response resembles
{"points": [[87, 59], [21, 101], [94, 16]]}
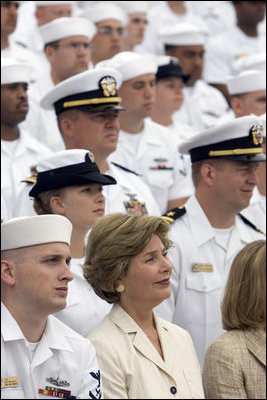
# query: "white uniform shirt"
{"points": [[158, 161], [17, 163], [41, 123], [256, 211], [224, 49], [85, 310], [61, 354], [196, 295], [129, 194], [203, 105]]}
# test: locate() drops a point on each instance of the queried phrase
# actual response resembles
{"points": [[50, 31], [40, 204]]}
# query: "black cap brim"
{"points": [[67, 180]]}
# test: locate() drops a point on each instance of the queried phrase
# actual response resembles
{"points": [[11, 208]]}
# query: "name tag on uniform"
{"points": [[9, 382], [199, 267]]}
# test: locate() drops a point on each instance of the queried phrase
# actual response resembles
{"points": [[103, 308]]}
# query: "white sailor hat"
{"points": [[131, 7], [103, 11], [52, 3], [246, 82], [13, 71], [183, 34], [255, 61], [64, 27], [131, 64], [67, 168], [91, 90], [238, 140], [35, 230]]}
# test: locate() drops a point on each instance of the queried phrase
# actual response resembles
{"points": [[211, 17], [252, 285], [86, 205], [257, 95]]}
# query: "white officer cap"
{"points": [[131, 7], [13, 71], [67, 168], [238, 140], [183, 34], [31, 231], [131, 64], [52, 3], [91, 90], [103, 11], [64, 27], [246, 82], [255, 61]]}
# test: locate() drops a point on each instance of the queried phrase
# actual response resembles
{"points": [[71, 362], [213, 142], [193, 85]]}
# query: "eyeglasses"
{"points": [[106, 31], [75, 46]]}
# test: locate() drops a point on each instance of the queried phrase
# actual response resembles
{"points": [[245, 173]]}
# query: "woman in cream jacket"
{"points": [[141, 356]]}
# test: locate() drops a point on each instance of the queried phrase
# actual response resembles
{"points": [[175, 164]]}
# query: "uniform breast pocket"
{"points": [[203, 298], [203, 281], [13, 393], [160, 178]]}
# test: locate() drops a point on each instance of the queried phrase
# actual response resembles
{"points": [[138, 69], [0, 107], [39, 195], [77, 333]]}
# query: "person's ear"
{"points": [[208, 173], [57, 205], [8, 272]]}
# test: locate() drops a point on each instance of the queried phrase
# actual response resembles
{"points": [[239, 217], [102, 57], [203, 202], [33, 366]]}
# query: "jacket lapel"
{"points": [[256, 343]]}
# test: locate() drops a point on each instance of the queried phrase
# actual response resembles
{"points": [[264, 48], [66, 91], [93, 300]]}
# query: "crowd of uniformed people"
{"points": [[133, 199]]}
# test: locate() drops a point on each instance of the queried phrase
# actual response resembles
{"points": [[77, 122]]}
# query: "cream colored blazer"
{"points": [[132, 368], [235, 366]]}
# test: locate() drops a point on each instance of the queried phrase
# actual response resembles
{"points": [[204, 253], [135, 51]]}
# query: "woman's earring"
{"points": [[120, 288]]}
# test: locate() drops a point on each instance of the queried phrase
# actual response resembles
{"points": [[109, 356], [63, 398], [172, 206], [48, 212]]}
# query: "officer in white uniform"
{"points": [[209, 231], [20, 152], [202, 104], [40, 355], [71, 55], [93, 96], [150, 151]]}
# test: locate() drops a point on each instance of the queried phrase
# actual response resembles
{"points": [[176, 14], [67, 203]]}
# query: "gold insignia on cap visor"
{"points": [[67, 104], [257, 134], [108, 84]]}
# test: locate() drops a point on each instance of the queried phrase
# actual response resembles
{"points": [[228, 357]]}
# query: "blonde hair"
{"points": [[114, 240], [244, 302], [41, 203]]}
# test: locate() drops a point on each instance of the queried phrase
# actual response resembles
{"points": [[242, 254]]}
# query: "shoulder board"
{"points": [[32, 179], [247, 222], [174, 214], [125, 169]]}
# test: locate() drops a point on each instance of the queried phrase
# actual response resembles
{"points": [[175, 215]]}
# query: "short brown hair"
{"points": [[244, 302], [114, 240], [41, 202]]}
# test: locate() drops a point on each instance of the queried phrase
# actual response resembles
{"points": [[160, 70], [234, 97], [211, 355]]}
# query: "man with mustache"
{"points": [[20, 152]]}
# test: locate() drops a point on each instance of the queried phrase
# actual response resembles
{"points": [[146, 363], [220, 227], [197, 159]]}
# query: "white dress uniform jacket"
{"points": [[132, 368], [225, 49], [129, 195], [41, 123], [61, 354], [18, 163], [256, 211], [85, 310], [203, 105], [201, 264], [157, 160]]}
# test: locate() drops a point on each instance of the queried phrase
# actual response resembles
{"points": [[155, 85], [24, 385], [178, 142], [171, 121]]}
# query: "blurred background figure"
{"points": [[20, 152], [110, 21], [140, 354], [164, 14], [203, 104], [9, 48], [245, 38], [67, 48], [137, 22], [235, 364]]}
